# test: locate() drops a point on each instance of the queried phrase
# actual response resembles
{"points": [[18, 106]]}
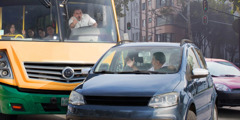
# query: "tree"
{"points": [[120, 4], [217, 35]]}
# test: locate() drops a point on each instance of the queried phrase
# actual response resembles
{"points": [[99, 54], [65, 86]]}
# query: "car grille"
{"points": [[117, 101], [53, 71], [235, 90]]}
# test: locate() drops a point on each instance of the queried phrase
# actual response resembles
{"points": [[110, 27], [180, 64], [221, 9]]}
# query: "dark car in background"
{"points": [[182, 89], [226, 77]]}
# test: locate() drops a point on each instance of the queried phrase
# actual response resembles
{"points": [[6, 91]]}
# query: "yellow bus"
{"points": [[42, 58]]}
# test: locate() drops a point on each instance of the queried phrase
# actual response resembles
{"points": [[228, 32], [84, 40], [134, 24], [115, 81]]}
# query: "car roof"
{"points": [[150, 44], [215, 60]]}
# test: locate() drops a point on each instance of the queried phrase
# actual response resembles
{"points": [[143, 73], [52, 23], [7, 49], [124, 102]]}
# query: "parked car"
{"points": [[226, 77], [127, 84]]}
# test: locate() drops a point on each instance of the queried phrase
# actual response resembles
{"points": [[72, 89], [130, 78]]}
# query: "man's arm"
{"points": [[91, 21], [95, 25], [72, 22]]}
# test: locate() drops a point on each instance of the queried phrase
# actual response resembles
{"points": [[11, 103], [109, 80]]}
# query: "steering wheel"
{"points": [[19, 35]]}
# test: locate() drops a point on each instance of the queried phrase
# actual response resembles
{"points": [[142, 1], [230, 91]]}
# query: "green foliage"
{"points": [[120, 4], [218, 36], [236, 4]]}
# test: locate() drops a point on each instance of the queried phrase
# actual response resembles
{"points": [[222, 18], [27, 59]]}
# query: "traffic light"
{"points": [[205, 20], [128, 25], [205, 5]]}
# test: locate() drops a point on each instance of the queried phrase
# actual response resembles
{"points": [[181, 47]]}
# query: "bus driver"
{"points": [[81, 20]]}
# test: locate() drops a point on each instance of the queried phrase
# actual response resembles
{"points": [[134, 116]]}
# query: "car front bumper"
{"points": [[229, 98], [97, 112]]}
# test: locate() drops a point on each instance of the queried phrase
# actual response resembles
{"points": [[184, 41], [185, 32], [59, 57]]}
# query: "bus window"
{"points": [[22, 22], [94, 24]]}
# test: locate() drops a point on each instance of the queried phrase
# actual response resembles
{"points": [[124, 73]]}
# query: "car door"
{"points": [[210, 90], [201, 97]]}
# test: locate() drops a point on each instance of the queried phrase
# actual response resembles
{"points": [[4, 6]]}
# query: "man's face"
{"points": [[30, 33], [50, 31], [155, 63], [41, 33], [78, 14], [12, 29]]}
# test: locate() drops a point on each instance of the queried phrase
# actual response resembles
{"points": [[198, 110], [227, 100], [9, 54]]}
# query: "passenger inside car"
{"points": [[158, 61]]}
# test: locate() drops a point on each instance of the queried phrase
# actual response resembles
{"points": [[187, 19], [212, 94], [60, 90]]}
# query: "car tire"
{"points": [[215, 113], [191, 115], [7, 117]]}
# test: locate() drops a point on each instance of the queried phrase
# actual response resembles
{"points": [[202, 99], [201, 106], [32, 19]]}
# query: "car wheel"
{"points": [[7, 117], [191, 115], [215, 113]]}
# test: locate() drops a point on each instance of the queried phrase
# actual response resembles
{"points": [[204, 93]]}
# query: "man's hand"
{"points": [[130, 63], [73, 24]]}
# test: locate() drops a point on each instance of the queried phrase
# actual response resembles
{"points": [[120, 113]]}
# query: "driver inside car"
{"points": [[81, 20]]}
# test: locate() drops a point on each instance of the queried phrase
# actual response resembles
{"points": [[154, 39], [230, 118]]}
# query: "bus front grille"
{"points": [[55, 71]]}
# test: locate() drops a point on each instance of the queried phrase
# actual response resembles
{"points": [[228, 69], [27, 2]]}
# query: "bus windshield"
{"points": [[58, 20]]}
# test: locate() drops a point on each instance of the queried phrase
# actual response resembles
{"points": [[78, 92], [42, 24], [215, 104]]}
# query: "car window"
{"points": [[201, 58], [192, 60], [123, 59], [218, 68]]}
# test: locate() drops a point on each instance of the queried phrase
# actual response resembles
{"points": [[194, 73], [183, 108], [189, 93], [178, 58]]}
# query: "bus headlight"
{"points": [[5, 69], [164, 100], [76, 99]]}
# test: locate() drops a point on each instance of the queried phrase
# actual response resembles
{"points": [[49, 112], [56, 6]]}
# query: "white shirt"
{"points": [[152, 68], [86, 20]]}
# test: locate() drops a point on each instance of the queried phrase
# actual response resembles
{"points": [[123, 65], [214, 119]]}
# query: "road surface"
{"points": [[225, 113]]}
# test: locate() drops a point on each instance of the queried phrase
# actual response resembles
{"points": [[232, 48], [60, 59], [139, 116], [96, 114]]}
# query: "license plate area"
{"points": [[64, 101]]}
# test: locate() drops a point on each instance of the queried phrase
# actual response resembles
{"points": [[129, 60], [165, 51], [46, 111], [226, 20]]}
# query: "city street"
{"points": [[225, 113]]}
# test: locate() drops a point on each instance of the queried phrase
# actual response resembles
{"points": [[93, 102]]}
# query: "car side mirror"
{"points": [[199, 72]]}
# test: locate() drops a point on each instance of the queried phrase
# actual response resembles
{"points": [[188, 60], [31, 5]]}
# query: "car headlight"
{"points": [[76, 99], [221, 87], [164, 100], [5, 68]]}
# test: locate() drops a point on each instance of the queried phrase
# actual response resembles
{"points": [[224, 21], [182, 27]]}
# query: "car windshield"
{"points": [[222, 69], [53, 20], [121, 60]]}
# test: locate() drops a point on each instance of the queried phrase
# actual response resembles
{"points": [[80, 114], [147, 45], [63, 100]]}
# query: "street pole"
{"points": [[189, 21], [140, 21], [146, 3]]}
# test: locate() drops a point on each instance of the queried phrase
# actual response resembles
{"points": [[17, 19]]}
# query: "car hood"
{"points": [[130, 85], [231, 82]]}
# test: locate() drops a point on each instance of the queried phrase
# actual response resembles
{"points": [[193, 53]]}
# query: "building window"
{"points": [[136, 6], [143, 6], [149, 20], [164, 37], [137, 23], [143, 23], [143, 38], [134, 22], [149, 2], [162, 20], [163, 3], [137, 37]]}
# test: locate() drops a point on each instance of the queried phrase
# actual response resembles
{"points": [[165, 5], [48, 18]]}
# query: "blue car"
{"points": [[160, 81]]}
